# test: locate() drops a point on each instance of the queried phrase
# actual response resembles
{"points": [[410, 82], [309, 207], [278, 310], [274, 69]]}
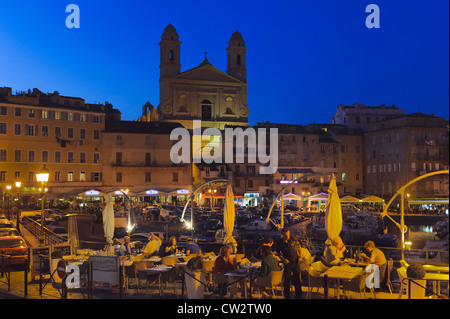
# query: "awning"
{"points": [[91, 193], [372, 199], [319, 196], [428, 201], [291, 196], [179, 192], [349, 199], [154, 192]]}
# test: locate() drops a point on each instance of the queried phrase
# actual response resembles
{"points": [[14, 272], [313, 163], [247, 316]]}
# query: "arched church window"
{"points": [[206, 109], [238, 59], [171, 55]]}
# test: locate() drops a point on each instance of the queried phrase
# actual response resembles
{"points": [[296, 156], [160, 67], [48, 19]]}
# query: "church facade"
{"points": [[203, 93]]}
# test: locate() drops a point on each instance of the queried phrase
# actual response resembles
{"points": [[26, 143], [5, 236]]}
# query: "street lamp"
{"points": [[8, 189], [18, 184], [42, 177]]}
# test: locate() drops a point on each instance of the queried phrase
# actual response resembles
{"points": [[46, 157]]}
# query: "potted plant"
{"points": [[416, 284], [194, 277]]}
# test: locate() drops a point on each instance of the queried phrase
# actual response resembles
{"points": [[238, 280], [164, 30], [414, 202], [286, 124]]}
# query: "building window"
{"points": [[70, 157], [3, 128], [57, 131], [148, 159], [148, 177], [44, 130], [96, 134], [57, 157], [82, 176], [70, 132], [70, 176], [96, 158], [44, 114], [82, 157], [57, 176], [2, 176], [18, 112], [148, 140], [31, 176], [57, 115], [3, 155], [17, 129], [31, 130], [119, 140], [32, 113], [322, 148], [45, 156], [3, 110], [119, 177], [83, 118], [82, 133], [31, 156], [119, 158], [17, 156], [175, 177], [96, 176], [206, 110], [17, 175]]}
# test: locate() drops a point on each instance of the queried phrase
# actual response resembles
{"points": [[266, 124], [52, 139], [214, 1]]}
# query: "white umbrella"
{"points": [[108, 219], [228, 217], [333, 212]]}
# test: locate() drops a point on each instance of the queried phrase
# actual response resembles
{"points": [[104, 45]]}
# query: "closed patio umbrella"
{"points": [[228, 217], [108, 219], [333, 212]]}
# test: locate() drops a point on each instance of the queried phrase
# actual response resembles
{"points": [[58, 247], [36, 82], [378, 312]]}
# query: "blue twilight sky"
{"points": [[304, 57]]}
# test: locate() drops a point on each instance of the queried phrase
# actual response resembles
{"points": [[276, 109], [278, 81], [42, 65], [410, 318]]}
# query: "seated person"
{"points": [[267, 242], [222, 265], [192, 247], [170, 248], [334, 251], [378, 258], [269, 263], [125, 248], [153, 246]]}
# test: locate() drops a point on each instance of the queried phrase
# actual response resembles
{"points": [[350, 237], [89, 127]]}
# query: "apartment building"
{"points": [[61, 132], [403, 148]]}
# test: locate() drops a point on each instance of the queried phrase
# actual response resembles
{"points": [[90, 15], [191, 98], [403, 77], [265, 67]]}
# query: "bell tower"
{"points": [[169, 53], [236, 60]]}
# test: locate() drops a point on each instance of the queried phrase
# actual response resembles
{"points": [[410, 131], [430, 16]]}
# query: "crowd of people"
{"points": [[287, 254]]}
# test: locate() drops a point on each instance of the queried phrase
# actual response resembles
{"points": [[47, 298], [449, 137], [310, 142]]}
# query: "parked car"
{"points": [[207, 237], [15, 247], [258, 224], [4, 232], [6, 223]]}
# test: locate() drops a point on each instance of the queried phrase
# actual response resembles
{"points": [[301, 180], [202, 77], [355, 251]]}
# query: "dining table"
{"points": [[342, 273], [158, 270]]}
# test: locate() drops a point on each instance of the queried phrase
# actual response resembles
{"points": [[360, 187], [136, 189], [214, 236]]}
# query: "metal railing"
{"points": [[50, 238]]}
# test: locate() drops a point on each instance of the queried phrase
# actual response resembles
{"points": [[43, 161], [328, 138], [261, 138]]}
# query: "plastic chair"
{"points": [[171, 276], [319, 266], [358, 284], [403, 285], [208, 266], [390, 266], [131, 271], [314, 280], [276, 280]]}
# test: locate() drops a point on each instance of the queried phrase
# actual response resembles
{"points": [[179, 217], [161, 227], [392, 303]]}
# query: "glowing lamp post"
{"points": [[42, 177], [18, 184]]}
